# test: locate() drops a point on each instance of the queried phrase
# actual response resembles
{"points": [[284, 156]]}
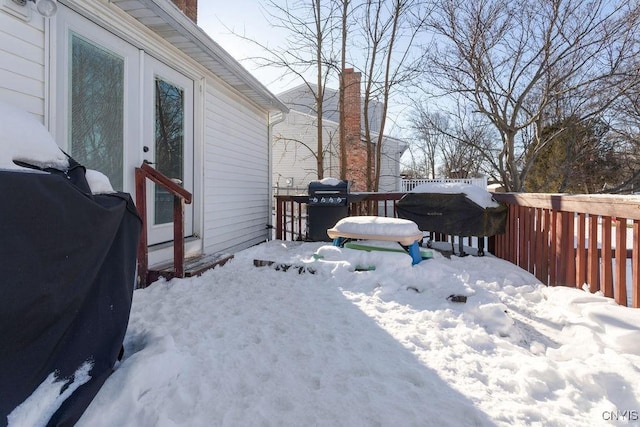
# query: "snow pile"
{"points": [[47, 399], [25, 139], [377, 226], [474, 193], [246, 345], [98, 182], [329, 181]]}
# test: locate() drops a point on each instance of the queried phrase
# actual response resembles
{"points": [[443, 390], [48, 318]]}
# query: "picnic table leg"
{"points": [[414, 251], [339, 241]]}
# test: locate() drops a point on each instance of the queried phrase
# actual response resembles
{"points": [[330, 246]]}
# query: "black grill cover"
{"points": [[453, 214], [67, 274]]}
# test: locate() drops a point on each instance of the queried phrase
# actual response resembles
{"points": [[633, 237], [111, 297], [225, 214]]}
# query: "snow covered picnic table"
{"points": [[398, 230]]}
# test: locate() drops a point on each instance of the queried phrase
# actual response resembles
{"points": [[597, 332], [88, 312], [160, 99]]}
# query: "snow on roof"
{"points": [[25, 139], [474, 193]]}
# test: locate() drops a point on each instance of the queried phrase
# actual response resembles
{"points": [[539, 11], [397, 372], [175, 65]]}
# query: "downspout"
{"points": [[273, 119]]}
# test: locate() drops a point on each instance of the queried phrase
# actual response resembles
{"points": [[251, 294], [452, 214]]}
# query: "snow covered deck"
{"points": [[537, 230]]}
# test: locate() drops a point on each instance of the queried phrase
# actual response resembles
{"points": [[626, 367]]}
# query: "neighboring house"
{"points": [[118, 82], [295, 139]]}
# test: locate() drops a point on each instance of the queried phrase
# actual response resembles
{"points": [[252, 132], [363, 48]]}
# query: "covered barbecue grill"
{"points": [[67, 274], [454, 209], [328, 203]]}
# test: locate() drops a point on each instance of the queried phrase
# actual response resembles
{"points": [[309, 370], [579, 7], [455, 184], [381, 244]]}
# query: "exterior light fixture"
{"points": [[46, 8]]}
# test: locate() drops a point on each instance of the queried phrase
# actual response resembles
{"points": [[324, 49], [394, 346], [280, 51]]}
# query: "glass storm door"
{"points": [[97, 127], [97, 74], [168, 144]]}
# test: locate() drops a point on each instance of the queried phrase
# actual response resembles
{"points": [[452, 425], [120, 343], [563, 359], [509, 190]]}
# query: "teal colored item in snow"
{"points": [[365, 246]]}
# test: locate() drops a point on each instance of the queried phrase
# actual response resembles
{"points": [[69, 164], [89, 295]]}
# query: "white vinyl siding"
{"points": [[292, 158], [22, 67], [390, 167], [236, 188], [231, 152]]}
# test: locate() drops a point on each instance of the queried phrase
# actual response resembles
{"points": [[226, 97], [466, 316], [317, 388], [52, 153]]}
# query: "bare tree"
{"points": [[430, 130], [625, 132], [523, 64], [308, 54], [452, 144], [463, 150], [388, 34], [321, 41]]}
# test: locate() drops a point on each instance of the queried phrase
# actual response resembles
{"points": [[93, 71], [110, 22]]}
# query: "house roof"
{"points": [[302, 98], [299, 99], [164, 18], [402, 144]]}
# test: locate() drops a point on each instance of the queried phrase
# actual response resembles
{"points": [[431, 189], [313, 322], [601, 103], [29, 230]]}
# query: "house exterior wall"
{"points": [[292, 158], [390, 167], [22, 63], [236, 184], [231, 132], [301, 99]]}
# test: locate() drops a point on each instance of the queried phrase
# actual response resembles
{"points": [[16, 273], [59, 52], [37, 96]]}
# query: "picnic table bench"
{"points": [[403, 231]]}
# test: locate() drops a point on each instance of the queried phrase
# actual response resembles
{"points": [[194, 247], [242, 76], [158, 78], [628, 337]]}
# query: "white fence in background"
{"points": [[406, 185], [409, 184]]}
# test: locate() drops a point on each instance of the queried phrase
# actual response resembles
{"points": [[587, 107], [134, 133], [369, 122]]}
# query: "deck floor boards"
{"points": [[193, 266]]}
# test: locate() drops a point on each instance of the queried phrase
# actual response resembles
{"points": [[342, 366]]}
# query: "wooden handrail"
{"points": [[166, 182], [180, 197], [608, 205]]}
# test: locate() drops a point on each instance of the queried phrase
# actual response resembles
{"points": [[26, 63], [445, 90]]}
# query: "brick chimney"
{"points": [[189, 8], [356, 150]]}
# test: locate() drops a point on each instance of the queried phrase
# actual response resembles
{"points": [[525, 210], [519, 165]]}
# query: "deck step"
{"points": [[193, 266]]}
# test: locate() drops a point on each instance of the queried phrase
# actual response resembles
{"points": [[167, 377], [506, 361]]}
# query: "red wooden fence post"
{"points": [[620, 290], [178, 236], [141, 205]]}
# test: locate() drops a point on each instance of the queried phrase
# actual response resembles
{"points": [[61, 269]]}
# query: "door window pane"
{"points": [[169, 136], [97, 109]]}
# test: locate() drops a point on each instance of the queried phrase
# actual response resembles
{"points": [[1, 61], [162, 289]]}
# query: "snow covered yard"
{"points": [[247, 346], [244, 345]]}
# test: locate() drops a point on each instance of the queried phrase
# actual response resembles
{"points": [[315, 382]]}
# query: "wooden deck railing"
{"points": [[548, 235], [180, 197], [552, 236]]}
